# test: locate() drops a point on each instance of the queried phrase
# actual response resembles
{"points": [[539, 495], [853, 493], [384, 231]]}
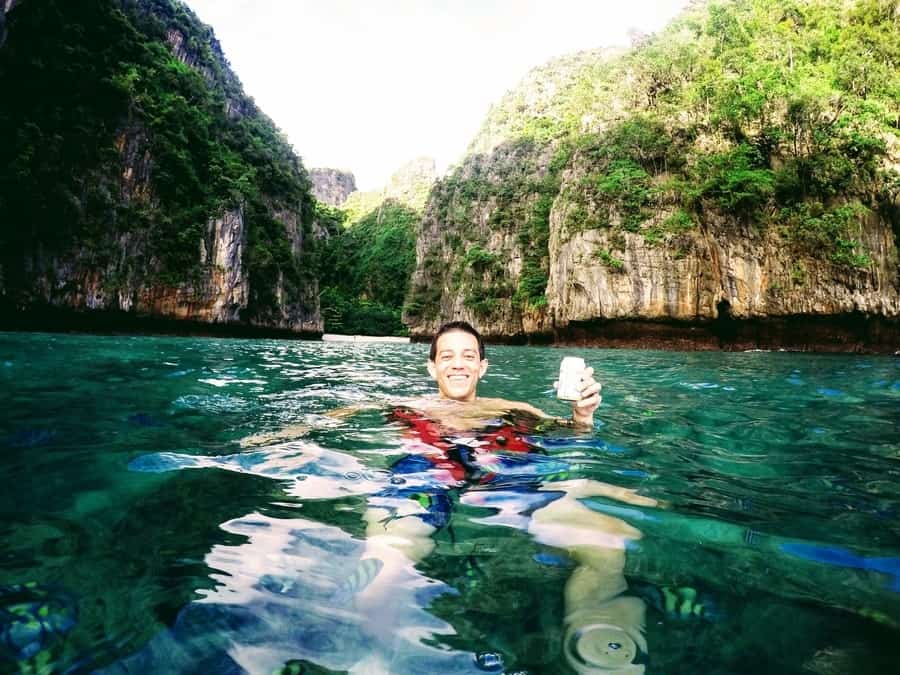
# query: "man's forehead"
{"points": [[457, 340]]}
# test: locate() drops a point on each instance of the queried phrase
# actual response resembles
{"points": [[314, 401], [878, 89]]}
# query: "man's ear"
{"points": [[431, 369], [483, 368]]}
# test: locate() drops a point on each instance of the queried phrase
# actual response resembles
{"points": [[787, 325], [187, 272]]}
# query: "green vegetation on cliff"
{"points": [[369, 258], [765, 114], [365, 271], [520, 194], [122, 118]]}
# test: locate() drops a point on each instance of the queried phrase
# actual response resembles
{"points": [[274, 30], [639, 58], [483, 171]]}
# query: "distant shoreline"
{"points": [[107, 322], [852, 333], [338, 337]]}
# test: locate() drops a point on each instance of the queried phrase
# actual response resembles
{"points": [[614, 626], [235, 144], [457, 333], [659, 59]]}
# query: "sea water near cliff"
{"points": [[140, 534]]}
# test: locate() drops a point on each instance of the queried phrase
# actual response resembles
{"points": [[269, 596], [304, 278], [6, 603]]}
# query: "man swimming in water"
{"points": [[457, 363], [463, 442]]}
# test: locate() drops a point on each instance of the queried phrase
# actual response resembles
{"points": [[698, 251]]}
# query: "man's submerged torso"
{"points": [[472, 453]]}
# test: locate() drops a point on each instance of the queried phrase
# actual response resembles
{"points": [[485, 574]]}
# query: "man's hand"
{"points": [[583, 410]]}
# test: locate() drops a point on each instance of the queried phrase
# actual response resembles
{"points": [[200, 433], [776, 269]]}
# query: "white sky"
{"points": [[369, 85]]}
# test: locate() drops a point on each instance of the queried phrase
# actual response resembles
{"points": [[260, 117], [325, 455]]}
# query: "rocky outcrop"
{"points": [[110, 266], [213, 66], [470, 253], [122, 284], [726, 267], [411, 183], [700, 282], [332, 186], [624, 199], [721, 271], [296, 308], [78, 281]]}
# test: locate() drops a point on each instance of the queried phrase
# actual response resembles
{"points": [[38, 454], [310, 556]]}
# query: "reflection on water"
{"points": [[193, 506], [369, 595], [288, 593]]}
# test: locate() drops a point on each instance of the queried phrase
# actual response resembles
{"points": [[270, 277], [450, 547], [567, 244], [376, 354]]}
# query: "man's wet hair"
{"points": [[463, 326]]}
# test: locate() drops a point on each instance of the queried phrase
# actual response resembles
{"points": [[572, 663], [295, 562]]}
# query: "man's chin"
{"points": [[459, 393]]}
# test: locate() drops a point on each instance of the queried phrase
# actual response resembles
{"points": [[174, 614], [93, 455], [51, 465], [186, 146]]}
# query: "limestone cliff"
{"points": [[409, 186], [470, 254], [411, 183], [713, 186], [475, 242], [166, 192], [332, 186], [742, 272]]}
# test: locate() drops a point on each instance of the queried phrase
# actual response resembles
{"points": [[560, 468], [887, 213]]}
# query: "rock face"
{"points": [[411, 183], [743, 275], [219, 296], [622, 199], [116, 270], [725, 268], [76, 282], [471, 250], [722, 270], [332, 186]]}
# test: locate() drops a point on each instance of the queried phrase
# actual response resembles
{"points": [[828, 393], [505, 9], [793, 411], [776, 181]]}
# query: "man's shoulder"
{"points": [[497, 405], [503, 404]]}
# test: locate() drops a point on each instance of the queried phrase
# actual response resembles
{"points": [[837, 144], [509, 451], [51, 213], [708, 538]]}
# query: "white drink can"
{"points": [[570, 371]]}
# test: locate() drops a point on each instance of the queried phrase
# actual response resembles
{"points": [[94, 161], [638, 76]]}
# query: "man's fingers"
{"points": [[587, 377], [590, 388], [589, 403]]}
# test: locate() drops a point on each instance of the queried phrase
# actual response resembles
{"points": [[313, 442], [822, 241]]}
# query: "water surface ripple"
{"points": [[190, 505]]}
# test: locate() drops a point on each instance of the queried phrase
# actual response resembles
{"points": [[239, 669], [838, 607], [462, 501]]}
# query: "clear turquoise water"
{"points": [[777, 476]]}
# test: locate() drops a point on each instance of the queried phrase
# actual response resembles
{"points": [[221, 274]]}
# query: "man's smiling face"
{"points": [[457, 365]]}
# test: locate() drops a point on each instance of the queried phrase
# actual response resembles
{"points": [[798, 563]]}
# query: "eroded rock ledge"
{"points": [[115, 322], [846, 333], [854, 332]]}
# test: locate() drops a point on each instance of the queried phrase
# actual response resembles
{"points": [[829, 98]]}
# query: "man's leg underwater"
{"points": [[400, 521], [399, 533], [604, 629], [409, 535]]}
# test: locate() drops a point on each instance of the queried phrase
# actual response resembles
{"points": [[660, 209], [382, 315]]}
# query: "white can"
{"points": [[570, 371]]}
